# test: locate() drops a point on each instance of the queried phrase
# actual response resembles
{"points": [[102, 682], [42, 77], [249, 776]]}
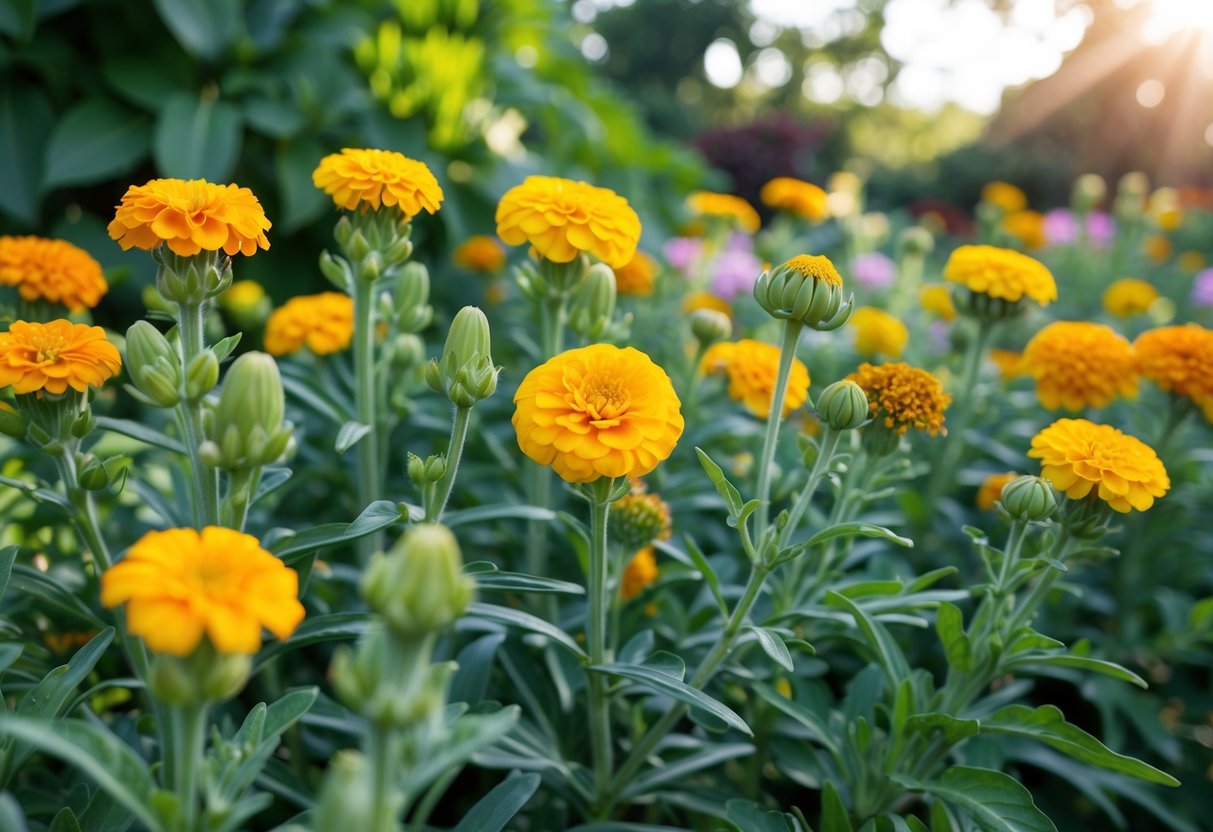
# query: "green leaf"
{"points": [[705, 569], [18, 18], [466, 736], [52, 596], [750, 817], [662, 683], [806, 717], [12, 816], [994, 801], [26, 119], [502, 511], [526, 621], [494, 580], [878, 638], [772, 644], [197, 138], [226, 346], [954, 730], [493, 811], [732, 497], [288, 710], [93, 141], [129, 77], [300, 202], [834, 816], [1028, 661], [203, 27], [857, 529], [949, 624], [338, 626], [1048, 725], [349, 434], [141, 432], [47, 698], [673, 771], [8, 556], [378, 515], [65, 821]]}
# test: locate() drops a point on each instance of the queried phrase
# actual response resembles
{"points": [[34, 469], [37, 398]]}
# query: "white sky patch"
{"points": [[722, 64]]}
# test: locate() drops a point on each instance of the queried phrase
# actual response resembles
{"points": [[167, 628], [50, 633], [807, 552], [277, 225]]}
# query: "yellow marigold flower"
{"points": [[323, 322], [242, 296], [903, 397], [804, 199], [706, 300], [1191, 261], [1001, 273], [1158, 248], [52, 270], [1080, 364], [479, 253], [991, 489], [640, 572], [639, 518], [710, 204], [181, 584], [54, 356], [1169, 219], [1179, 359], [1005, 195], [938, 301], [1079, 457], [1128, 297], [878, 333], [1026, 226], [598, 411], [1008, 362], [190, 216], [562, 218], [752, 368], [362, 180], [637, 276]]}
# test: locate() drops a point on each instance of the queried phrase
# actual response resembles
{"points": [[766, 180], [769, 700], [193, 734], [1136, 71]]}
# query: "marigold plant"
{"points": [[1080, 364], [727, 206], [1001, 273], [561, 219], [324, 323], [1179, 359], [752, 368], [804, 199], [366, 179], [479, 253], [51, 270], [52, 357], [1080, 458], [1128, 297], [903, 397], [938, 301], [1028, 227], [1006, 196], [637, 276], [878, 333], [189, 217]]}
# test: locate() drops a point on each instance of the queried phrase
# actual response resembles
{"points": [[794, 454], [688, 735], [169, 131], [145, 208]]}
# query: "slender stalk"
{"points": [[596, 633], [454, 452], [961, 415], [380, 749], [191, 323], [1040, 591], [369, 483], [239, 496], [829, 445], [787, 353], [189, 737]]}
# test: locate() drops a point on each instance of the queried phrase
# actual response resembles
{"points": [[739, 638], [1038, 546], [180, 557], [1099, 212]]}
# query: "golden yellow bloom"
{"points": [[1128, 297], [1001, 273], [1028, 227], [323, 322], [817, 267], [878, 333], [242, 296], [1008, 362], [710, 204], [180, 584], [991, 489], [1158, 248], [480, 253], [752, 368], [562, 218], [640, 572], [1179, 359], [190, 216], [804, 199], [1080, 364], [1191, 261], [705, 300], [938, 301], [1169, 219], [362, 180], [55, 356], [903, 397], [1005, 195], [1079, 457], [52, 270], [598, 411], [638, 276]]}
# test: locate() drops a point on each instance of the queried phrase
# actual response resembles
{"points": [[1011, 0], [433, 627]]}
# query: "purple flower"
{"points": [[940, 334], [874, 270], [1101, 228], [1202, 288], [1061, 228], [682, 252], [733, 272]]}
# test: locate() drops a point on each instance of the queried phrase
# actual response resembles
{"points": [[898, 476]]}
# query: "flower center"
{"points": [[604, 400], [47, 348]]}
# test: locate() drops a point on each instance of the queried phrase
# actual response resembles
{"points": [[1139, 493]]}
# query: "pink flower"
{"points": [[733, 272], [1202, 288], [682, 252], [874, 270]]}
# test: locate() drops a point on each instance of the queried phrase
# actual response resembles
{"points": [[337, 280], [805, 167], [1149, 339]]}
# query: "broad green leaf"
{"points": [[504, 511], [93, 141], [288, 710], [806, 717], [772, 644], [493, 811], [1028, 639], [857, 529], [52, 596], [378, 515], [348, 436], [668, 663], [1028, 661], [732, 497], [337, 626], [204, 27], [526, 621], [750, 817], [475, 663], [949, 624], [47, 698], [667, 685], [673, 771], [65, 821], [18, 18], [197, 138], [467, 735], [12, 816], [8, 556], [705, 569], [141, 432], [995, 801], [128, 76], [624, 826], [1048, 725], [954, 729], [929, 579], [862, 589], [300, 201], [494, 580], [26, 119], [878, 638], [834, 816]]}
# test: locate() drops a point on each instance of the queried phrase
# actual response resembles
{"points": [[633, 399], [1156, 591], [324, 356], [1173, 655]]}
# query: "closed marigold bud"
{"points": [[915, 241], [710, 325], [637, 519], [248, 428], [92, 475], [153, 364], [346, 801], [593, 302], [1029, 499], [419, 586], [465, 372], [412, 296], [201, 375], [12, 423], [806, 289], [843, 405], [430, 470]]}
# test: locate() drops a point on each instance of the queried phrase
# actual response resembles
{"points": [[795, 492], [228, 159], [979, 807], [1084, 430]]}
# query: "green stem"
{"points": [[191, 324], [787, 353], [380, 751], [596, 628], [454, 452], [961, 415], [189, 737], [1027, 610], [364, 402], [829, 445], [239, 496]]}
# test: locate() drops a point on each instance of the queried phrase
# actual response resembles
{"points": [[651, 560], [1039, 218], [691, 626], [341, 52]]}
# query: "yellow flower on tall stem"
{"points": [[1080, 364], [51, 270], [725, 206], [190, 217], [804, 199], [1081, 458], [367, 179], [752, 368], [563, 219], [1006, 196], [324, 323], [1028, 227], [52, 357], [901, 397], [938, 301], [1001, 273], [878, 333]]}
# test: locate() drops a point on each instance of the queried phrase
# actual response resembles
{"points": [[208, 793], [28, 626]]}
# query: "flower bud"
{"points": [[915, 241], [806, 289], [201, 375], [710, 325], [413, 312], [1090, 189], [336, 271], [12, 423], [593, 302], [370, 268], [187, 280], [419, 586], [430, 470], [843, 405], [153, 364], [1029, 499], [346, 802], [203, 676], [247, 429], [356, 245], [465, 372], [92, 475], [83, 424]]}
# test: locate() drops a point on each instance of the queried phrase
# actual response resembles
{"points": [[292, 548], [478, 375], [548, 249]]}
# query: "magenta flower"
{"points": [[874, 270], [1202, 288], [1101, 229], [1061, 229], [682, 252], [733, 272]]}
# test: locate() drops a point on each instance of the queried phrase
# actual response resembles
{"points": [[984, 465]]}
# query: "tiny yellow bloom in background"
{"points": [[598, 411], [640, 572], [903, 397], [804, 199], [561, 219], [1080, 364], [480, 253], [1001, 273], [1191, 261], [878, 333], [1006, 196], [1008, 362], [179, 585], [637, 276], [51, 270], [1028, 227], [243, 296], [752, 368], [323, 322], [1179, 359], [711, 204], [1169, 219], [706, 300], [938, 301], [189, 217], [366, 179], [1128, 297], [52, 357], [1080, 457], [1158, 248], [991, 489]]}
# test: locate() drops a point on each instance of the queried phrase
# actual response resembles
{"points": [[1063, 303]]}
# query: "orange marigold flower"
{"points": [[1008, 362], [637, 276], [752, 368], [598, 411], [1005, 195], [938, 301], [1026, 226], [878, 333], [1158, 248], [706, 300], [1001, 273], [1079, 457], [903, 397], [1080, 364], [562, 218], [640, 572], [54, 356], [991, 489], [323, 322], [804, 199], [52, 270], [709, 204], [1128, 297], [1179, 359], [181, 584], [480, 253], [190, 216], [365, 179], [1191, 261]]}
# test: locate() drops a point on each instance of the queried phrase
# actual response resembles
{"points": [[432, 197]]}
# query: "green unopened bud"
{"points": [[342, 231], [336, 271], [1090, 189], [247, 429], [12, 423], [593, 302], [915, 241], [809, 450], [370, 268], [843, 405], [356, 245], [985, 308], [710, 325], [465, 371], [201, 375], [1029, 499], [430, 470], [203, 676], [83, 424], [407, 351], [346, 800], [153, 364], [190, 280], [412, 295], [419, 586], [806, 289], [92, 475]]}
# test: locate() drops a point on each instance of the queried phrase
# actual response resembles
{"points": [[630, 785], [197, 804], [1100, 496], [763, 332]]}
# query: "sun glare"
{"points": [[1173, 17]]}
